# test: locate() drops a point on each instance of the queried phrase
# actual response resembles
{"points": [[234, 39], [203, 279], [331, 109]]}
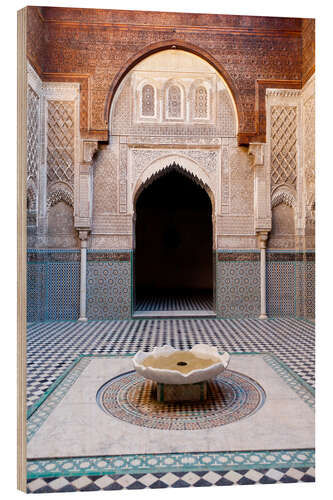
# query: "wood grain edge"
{"points": [[21, 247]]}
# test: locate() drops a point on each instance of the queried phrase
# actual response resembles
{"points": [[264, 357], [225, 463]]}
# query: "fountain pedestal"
{"points": [[172, 393]]}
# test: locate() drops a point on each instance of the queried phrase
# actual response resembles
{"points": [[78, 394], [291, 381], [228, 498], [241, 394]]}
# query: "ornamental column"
{"points": [[262, 212], [83, 235], [83, 214], [262, 242]]}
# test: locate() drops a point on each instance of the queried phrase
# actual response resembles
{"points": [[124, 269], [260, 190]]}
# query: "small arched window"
{"points": [[174, 102], [148, 100], [200, 103]]}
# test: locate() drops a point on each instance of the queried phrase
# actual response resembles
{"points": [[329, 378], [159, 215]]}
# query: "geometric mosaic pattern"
{"points": [[237, 289], [108, 290], [309, 289], [230, 397], [53, 286], [281, 288], [63, 289], [53, 290], [36, 275], [54, 346], [53, 280], [290, 284]]}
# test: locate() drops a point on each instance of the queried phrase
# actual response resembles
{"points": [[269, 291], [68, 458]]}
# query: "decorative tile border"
{"points": [[238, 256], [48, 403], [48, 255], [287, 256], [109, 255], [169, 462], [303, 390]]}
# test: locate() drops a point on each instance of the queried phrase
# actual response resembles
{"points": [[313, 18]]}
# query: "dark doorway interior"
{"points": [[173, 257]]}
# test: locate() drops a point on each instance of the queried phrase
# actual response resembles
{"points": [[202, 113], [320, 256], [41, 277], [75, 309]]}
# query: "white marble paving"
{"points": [[78, 427]]}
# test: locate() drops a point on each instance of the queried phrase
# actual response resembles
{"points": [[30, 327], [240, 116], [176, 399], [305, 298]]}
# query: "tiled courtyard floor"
{"points": [[52, 347]]}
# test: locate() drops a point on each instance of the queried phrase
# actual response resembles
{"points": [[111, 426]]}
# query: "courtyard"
{"points": [[56, 349]]}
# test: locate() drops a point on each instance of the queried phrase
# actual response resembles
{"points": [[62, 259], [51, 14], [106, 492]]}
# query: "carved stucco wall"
{"points": [[308, 102], [52, 168], [61, 158], [34, 145], [144, 145], [291, 143], [139, 151], [291, 146], [284, 138]]}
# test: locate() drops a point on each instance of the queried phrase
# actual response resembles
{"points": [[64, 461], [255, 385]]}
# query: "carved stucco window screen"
{"points": [[174, 102], [148, 100], [201, 102]]}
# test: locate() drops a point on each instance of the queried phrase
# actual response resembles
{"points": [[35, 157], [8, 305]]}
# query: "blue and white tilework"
{"points": [[53, 285], [108, 290], [237, 289], [281, 288]]}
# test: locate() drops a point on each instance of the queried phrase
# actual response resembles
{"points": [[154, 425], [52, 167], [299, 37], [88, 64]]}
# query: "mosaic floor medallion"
{"points": [[131, 398]]}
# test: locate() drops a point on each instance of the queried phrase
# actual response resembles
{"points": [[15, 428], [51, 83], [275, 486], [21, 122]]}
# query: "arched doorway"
{"points": [[171, 108], [174, 242]]}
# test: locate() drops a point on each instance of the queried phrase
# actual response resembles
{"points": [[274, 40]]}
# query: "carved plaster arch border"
{"points": [[183, 164], [180, 45], [60, 193], [283, 194]]}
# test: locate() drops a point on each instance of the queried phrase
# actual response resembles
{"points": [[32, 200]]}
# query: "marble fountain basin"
{"points": [[167, 365]]}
